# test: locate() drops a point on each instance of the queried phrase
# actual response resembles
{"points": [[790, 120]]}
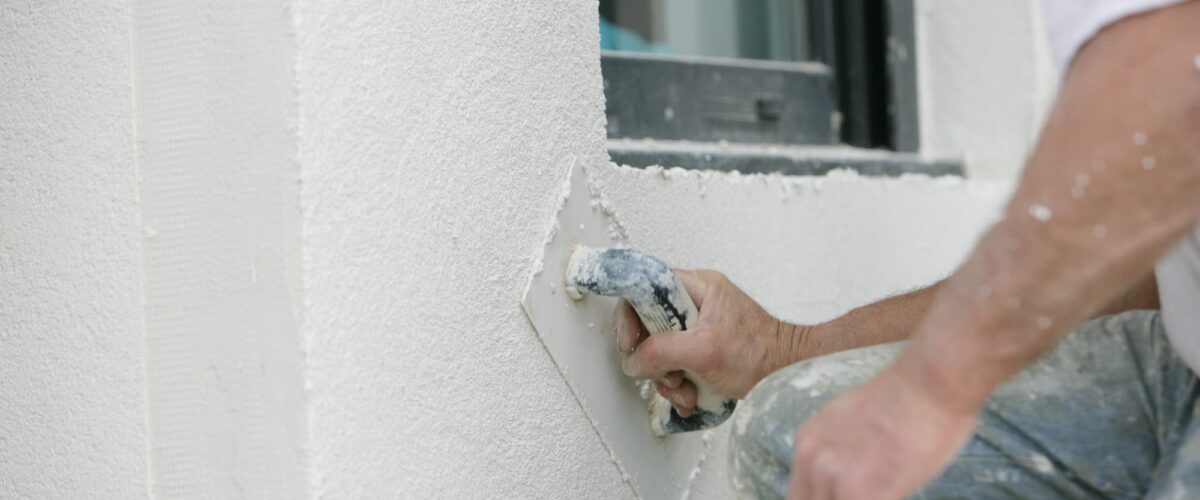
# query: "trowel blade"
{"points": [[580, 337]]}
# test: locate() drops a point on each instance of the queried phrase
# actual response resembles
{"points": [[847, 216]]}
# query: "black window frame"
{"points": [[860, 93]]}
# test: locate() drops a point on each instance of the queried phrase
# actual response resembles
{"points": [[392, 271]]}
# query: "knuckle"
{"points": [[662, 390], [649, 349], [805, 450], [648, 354], [710, 275], [825, 465]]}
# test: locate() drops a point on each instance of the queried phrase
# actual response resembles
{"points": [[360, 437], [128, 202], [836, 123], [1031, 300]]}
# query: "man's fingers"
{"points": [[666, 352], [673, 380], [800, 484], [629, 327], [695, 287], [813, 475], [683, 398]]}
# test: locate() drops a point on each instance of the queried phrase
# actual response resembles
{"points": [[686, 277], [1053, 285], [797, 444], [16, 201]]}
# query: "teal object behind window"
{"points": [[613, 37]]}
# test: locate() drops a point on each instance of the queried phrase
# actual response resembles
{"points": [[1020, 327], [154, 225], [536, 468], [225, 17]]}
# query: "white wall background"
{"points": [[220, 211], [432, 147], [432, 144], [341, 204], [986, 82], [72, 395]]}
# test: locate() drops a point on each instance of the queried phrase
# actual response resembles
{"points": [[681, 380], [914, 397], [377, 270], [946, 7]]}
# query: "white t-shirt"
{"points": [[1070, 23]]}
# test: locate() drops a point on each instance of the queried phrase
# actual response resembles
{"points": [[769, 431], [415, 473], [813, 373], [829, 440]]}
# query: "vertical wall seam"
{"points": [[218, 207], [141, 245], [299, 299]]}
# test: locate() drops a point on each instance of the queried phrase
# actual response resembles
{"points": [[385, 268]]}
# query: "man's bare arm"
{"points": [[896, 318], [1112, 186], [1113, 183]]}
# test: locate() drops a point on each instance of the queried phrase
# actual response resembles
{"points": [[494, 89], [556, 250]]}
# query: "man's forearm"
{"points": [[890, 320], [896, 318], [1113, 184]]}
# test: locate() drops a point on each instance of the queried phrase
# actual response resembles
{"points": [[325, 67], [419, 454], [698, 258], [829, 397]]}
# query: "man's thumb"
{"points": [[662, 353]]}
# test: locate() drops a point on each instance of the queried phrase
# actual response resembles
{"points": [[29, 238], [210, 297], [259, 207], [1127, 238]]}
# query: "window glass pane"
{"points": [[753, 29]]}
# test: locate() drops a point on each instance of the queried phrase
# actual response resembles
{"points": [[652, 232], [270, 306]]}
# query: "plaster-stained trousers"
{"points": [[1110, 413]]}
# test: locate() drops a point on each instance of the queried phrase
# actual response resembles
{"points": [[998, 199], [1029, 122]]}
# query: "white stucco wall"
{"points": [[278, 249], [985, 82], [72, 399], [432, 145], [221, 213]]}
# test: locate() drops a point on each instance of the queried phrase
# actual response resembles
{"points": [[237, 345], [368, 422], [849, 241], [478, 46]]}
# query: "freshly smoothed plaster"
{"points": [[221, 218], [72, 399]]}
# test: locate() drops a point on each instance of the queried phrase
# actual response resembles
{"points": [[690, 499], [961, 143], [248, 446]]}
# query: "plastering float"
{"points": [[570, 300], [663, 305]]}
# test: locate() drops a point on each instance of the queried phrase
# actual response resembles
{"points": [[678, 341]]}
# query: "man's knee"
{"points": [[762, 437], [765, 424]]}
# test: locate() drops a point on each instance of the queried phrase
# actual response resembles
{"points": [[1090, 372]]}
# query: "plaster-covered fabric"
{"points": [[1110, 413]]}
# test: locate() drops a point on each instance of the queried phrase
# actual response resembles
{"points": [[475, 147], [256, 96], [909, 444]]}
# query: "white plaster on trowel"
{"points": [[588, 359]]}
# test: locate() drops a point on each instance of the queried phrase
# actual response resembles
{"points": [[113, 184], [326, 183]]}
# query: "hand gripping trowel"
{"points": [[663, 305], [570, 300]]}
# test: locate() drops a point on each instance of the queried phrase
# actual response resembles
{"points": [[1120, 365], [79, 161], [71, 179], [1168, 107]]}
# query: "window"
{"points": [[794, 86]]}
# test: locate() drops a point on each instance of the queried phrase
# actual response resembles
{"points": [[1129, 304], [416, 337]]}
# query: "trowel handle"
{"points": [[663, 305]]}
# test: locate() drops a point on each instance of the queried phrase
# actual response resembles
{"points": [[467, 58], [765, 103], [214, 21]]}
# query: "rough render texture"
{"points": [[433, 145], [72, 401]]}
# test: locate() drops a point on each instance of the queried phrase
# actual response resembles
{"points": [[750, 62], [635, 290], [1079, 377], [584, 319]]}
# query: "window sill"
{"points": [[769, 158]]}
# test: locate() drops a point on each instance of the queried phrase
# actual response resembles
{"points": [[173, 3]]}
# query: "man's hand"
{"points": [[734, 344], [880, 441]]}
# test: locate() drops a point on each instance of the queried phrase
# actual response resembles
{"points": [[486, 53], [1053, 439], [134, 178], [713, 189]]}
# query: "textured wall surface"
{"points": [[986, 81], [433, 141], [72, 400], [432, 144], [320, 264], [807, 248], [221, 213]]}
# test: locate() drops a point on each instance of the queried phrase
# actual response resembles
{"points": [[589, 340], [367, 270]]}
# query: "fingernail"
{"points": [[672, 383], [622, 341], [630, 365], [677, 399]]}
